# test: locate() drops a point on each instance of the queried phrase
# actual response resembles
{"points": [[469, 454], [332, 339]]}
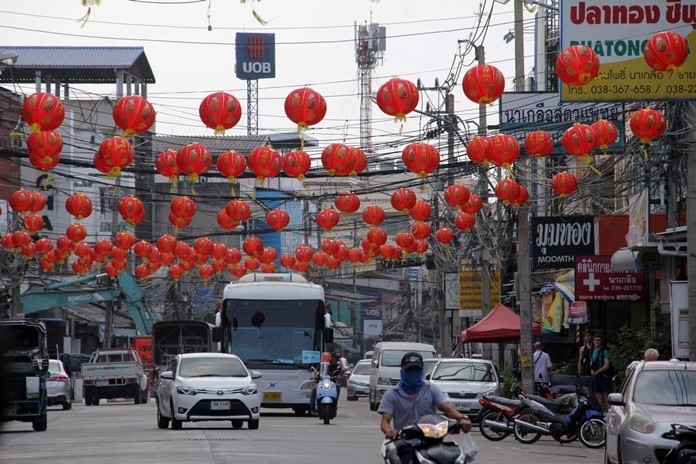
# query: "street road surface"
{"points": [[127, 433]]}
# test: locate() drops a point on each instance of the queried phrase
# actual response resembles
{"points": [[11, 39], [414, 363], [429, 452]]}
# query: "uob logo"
{"points": [[256, 49]]}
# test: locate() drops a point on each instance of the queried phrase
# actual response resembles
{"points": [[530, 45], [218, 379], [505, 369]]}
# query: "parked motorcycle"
{"points": [[427, 436], [583, 421], [327, 399], [685, 451]]}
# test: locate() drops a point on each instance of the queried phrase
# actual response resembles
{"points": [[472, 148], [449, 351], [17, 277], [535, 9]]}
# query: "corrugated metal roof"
{"points": [[94, 65], [242, 143]]}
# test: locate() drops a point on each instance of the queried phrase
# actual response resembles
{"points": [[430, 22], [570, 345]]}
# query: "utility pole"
{"points": [[524, 280]]}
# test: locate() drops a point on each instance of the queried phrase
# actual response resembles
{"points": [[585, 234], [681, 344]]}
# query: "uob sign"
{"points": [[255, 56], [556, 241]]}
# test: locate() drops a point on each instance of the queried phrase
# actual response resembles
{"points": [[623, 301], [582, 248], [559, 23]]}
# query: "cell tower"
{"points": [[370, 44]]}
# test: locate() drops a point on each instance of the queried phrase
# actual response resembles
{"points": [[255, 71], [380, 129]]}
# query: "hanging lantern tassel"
{"points": [[46, 181], [595, 170], [645, 152], [258, 17]]}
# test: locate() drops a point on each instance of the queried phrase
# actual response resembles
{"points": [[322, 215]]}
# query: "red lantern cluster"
{"points": [[44, 149], [220, 111], [181, 211], [456, 195], [483, 84], [132, 210], [577, 65], [666, 51], [397, 97], [340, 160], [134, 115], [507, 191], [420, 158], [305, 107]]}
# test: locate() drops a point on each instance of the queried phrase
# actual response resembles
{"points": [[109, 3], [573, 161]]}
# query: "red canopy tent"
{"points": [[500, 325]]}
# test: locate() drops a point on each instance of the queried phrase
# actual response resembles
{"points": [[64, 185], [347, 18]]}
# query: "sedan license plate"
{"points": [[462, 406], [219, 405], [272, 396]]}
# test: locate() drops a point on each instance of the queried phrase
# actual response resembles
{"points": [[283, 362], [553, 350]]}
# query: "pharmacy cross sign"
{"points": [[596, 280]]}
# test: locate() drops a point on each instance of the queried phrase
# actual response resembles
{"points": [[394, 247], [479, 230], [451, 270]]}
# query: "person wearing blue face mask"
{"points": [[411, 399]]}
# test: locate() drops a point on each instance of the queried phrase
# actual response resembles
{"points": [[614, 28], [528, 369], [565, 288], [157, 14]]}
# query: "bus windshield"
{"points": [[272, 334]]}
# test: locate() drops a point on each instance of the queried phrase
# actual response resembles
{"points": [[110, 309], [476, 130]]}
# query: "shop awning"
{"points": [[502, 324]]}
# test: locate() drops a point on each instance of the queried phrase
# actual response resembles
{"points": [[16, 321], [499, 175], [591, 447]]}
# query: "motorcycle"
{"points": [[584, 421], [498, 414], [685, 451], [427, 436], [327, 399]]}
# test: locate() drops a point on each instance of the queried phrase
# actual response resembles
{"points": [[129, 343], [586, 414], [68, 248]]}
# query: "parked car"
{"points": [[464, 381], [359, 380], [59, 385], [654, 395], [368, 355], [72, 362], [429, 365], [207, 387]]}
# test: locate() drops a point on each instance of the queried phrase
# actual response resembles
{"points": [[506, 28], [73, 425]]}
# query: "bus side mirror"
{"points": [[217, 334], [327, 320]]}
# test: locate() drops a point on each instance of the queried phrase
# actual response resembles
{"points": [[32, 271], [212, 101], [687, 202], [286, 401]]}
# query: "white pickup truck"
{"points": [[114, 374]]}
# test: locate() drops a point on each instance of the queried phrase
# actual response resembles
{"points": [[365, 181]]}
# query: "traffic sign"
{"points": [[596, 280]]}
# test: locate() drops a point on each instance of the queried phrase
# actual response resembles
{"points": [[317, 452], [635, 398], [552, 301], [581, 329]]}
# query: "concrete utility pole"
{"points": [[524, 279], [691, 237]]}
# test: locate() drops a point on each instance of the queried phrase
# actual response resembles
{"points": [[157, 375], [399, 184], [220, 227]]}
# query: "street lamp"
{"points": [[8, 57]]}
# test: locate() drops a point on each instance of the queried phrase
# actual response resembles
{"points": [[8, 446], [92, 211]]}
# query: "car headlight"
{"points": [[383, 381], [249, 389], [493, 392], [325, 385], [184, 390], [641, 423], [438, 430]]}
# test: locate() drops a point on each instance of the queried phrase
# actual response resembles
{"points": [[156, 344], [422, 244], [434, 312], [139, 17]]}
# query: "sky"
{"points": [[314, 47]]}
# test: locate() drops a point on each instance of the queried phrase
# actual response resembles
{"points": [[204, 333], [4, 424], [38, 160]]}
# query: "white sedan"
{"points": [[207, 387]]}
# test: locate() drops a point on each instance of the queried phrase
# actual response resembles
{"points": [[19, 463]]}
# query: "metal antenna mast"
{"points": [[370, 44]]}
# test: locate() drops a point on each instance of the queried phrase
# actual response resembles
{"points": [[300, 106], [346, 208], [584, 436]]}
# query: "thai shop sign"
{"points": [[557, 240], [617, 30], [596, 280], [524, 112]]}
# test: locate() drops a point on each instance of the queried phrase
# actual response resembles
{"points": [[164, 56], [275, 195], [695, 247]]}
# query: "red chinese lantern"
{"points": [[503, 150], [403, 199], [421, 230], [225, 221], [233, 256], [648, 124], [422, 246], [114, 154], [538, 143], [20, 238], [444, 235], [268, 255], [329, 246], [477, 150], [605, 133], [183, 207], [7, 241], [237, 270], [483, 84], [203, 246], [421, 158], [420, 211], [456, 195], [44, 149], [522, 197], [305, 107], [20, 200], [76, 232], [507, 190], [231, 164], [303, 253], [373, 215], [287, 260], [359, 160], [579, 140], [577, 65], [220, 111], [132, 210], [464, 221], [376, 236], [251, 263], [405, 240], [166, 243], [239, 210], [474, 204], [43, 111], [175, 272], [33, 222], [296, 163], [337, 160], [143, 249], [206, 271], [319, 259], [29, 250], [45, 245], [327, 219], [277, 219], [347, 202], [252, 245], [265, 163], [134, 115], [193, 160], [564, 183], [219, 251], [178, 221], [38, 202], [79, 205], [666, 51], [397, 97], [166, 165], [124, 240]]}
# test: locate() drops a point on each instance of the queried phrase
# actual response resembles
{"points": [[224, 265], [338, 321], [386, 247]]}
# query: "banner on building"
{"points": [[679, 316], [557, 240]]}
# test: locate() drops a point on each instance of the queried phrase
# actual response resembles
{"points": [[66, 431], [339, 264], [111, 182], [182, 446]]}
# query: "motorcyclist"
{"points": [[335, 371], [411, 399]]}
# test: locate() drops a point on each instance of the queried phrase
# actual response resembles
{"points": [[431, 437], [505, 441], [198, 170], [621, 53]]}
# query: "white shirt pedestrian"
{"points": [[542, 364]]}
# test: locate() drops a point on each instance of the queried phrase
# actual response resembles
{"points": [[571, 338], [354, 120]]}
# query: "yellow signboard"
{"points": [[470, 289], [617, 31]]}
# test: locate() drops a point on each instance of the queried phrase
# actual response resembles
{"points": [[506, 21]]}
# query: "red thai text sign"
{"points": [[595, 280]]}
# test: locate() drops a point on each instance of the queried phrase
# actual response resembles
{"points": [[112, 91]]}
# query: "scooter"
{"points": [[427, 436], [584, 421], [685, 451], [327, 399]]}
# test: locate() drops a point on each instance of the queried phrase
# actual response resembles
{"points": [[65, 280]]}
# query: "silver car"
{"points": [[359, 380], [464, 381], [59, 385], [654, 395], [208, 387]]}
